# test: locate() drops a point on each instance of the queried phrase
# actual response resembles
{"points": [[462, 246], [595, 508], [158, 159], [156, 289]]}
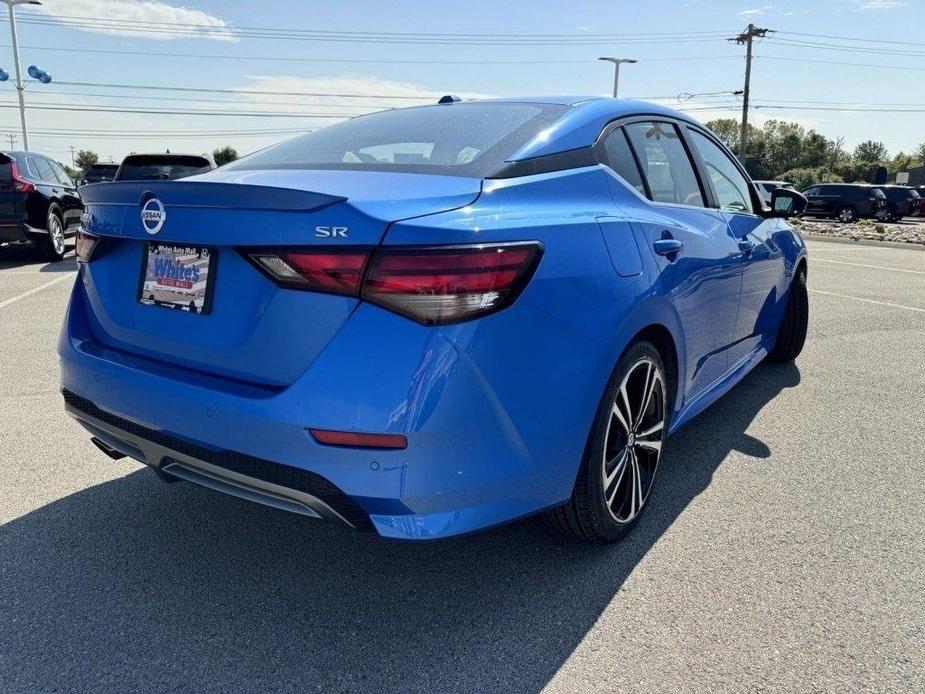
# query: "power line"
{"points": [[157, 87], [850, 49], [376, 61], [839, 62], [182, 112], [203, 30], [891, 42]]}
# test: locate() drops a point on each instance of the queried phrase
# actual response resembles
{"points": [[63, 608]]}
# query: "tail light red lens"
{"points": [[320, 271], [433, 285], [85, 245], [436, 286], [21, 184]]}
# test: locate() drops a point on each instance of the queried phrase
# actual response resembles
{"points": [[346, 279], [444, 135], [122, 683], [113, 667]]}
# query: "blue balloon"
{"points": [[35, 72], [44, 78], [4, 75]]}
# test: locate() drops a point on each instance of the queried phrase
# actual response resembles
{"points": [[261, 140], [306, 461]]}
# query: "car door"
{"points": [[760, 259], [701, 276], [70, 202]]}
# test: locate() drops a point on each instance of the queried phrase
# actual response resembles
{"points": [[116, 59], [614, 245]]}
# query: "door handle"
{"points": [[746, 246], [667, 246]]}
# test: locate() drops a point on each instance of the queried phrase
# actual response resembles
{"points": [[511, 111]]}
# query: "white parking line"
{"points": [[869, 301], [872, 267], [36, 290]]}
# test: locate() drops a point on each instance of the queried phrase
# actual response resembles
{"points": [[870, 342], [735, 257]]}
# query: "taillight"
{"points": [[85, 245], [305, 268], [21, 184], [438, 285], [432, 285]]}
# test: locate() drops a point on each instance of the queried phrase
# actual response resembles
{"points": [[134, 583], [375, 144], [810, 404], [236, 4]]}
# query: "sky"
{"points": [[848, 68]]}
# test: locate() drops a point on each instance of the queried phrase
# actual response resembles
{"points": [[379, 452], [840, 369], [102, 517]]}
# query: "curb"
{"points": [[863, 242]]}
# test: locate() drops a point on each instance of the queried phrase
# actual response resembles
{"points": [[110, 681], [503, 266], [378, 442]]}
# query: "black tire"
{"points": [[587, 515], [53, 245], [792, 334], [846, 214]]}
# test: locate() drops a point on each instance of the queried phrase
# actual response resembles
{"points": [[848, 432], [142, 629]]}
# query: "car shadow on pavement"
{"points": [[134, 585], [13, 257]]}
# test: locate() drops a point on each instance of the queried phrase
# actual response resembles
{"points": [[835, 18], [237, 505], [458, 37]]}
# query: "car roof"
{"points": [[580, 125]]}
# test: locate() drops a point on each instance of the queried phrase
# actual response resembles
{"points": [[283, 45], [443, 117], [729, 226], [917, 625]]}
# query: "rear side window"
{"points": [[664, 161], [61, 174], [6, 170], [620, 159], [732, 189], [462, 139], [41, 170]]}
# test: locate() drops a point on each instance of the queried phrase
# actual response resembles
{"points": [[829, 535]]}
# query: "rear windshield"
{"points": [[164, 168], [98, 171], [461, 139]]}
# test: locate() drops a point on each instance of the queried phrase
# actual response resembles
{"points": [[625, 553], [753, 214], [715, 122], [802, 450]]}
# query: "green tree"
{"points": [[85, 159], [919, 155], [901, 162], [871, 153], [224, 155]]}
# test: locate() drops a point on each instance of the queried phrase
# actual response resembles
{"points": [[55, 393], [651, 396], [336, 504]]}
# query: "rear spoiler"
{"points": [[206, 194]]}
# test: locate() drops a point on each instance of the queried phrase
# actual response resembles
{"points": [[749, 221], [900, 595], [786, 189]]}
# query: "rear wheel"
{"points": [[846, 214], [53, 244], [618, 472], [792, 334]]}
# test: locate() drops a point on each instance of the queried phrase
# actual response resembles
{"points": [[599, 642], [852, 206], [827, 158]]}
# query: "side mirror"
{"points": [[786, 203]]}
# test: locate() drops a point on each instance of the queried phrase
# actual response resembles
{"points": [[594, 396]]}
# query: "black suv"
{"points": [[901, 201], [99, 173], [845, 202], [38, 202]]}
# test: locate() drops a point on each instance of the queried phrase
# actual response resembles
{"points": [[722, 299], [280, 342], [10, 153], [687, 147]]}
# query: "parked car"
{"points": [[39, 203], [162, 167], [512, 321], [98, 173], [901, 201], [845, 202], [765, 188]]}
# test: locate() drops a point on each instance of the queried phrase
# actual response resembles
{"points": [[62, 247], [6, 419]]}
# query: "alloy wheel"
{"points": [[846, 214], [633, 440], [57, 234]]}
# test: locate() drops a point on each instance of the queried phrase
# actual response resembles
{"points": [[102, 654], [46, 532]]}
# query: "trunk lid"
{"points": [[255, 331]]}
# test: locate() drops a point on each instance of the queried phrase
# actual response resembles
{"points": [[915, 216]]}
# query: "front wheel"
{"points": [[792, 334], [617, 475]]}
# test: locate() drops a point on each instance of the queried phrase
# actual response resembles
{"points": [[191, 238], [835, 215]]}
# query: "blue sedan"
{"points": [[430, 321]]}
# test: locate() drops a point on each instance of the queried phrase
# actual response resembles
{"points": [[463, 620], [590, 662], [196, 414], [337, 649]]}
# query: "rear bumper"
{"points": [[478, 454], [18, 233]]}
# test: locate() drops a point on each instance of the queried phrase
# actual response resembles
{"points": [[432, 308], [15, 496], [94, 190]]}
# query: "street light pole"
{"points": [[20, 87], [616, 70]]}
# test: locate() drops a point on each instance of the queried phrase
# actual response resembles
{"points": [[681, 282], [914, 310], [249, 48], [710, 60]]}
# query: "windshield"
{"points": [[144, 168], [460, 139]]}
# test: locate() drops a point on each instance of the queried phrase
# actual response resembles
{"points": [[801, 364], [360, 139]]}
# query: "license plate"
{"points": [[177, 277]]}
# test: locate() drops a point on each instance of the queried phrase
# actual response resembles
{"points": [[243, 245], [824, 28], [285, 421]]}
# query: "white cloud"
{"points": [[163, 15], [755, 11], [881, 5]]}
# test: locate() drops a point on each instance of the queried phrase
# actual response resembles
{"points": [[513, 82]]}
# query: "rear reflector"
{"points": [[85, 245], [354, 440], [433, 285]]}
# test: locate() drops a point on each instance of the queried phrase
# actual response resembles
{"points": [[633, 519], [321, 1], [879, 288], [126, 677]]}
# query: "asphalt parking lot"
{"points": [[783, 551]]}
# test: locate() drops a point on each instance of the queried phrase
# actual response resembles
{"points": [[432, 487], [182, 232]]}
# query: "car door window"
{"points": [[61, 174], [811, 192], [665, 163], [620, 158], [731, 187]]}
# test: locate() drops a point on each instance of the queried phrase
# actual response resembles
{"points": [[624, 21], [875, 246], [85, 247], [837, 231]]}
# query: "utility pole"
{"points": [[12, 140], [746, 38], [19, 85], [73, 161]]}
